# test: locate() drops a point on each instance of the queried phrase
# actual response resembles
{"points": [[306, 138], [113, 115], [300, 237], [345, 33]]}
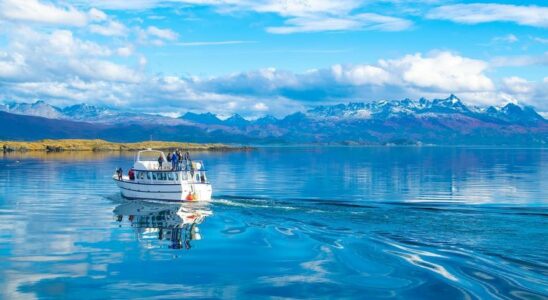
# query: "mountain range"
{"points": [[438, 121]]}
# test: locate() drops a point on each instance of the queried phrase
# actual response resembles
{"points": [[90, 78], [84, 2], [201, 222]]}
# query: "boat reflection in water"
{"points": [[176, 223]]}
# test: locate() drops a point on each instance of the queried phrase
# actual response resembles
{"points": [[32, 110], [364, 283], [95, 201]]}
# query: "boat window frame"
{"points": [[166, 176], [203, 177]]}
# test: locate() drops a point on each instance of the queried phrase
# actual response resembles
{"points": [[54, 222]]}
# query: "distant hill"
{"points": [[440, 121], [58, 145], [20, 127], [27, 128]]}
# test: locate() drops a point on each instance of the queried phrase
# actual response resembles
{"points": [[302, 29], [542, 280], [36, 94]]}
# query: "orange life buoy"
{"points": [[190, 197]]}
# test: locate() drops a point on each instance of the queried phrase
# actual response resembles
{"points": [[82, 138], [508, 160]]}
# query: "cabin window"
{"points": [[154, 175], [170, 176], [176, 176], [197, 176], [148, 175]]}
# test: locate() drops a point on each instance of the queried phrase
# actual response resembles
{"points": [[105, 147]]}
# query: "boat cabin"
{"points": [[147, 169]]}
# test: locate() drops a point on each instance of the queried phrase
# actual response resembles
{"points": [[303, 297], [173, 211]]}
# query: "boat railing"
{"points": [[185, 166], [192, 165]]}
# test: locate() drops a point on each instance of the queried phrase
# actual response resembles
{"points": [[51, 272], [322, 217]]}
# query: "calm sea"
{"points": [[297, 222]]}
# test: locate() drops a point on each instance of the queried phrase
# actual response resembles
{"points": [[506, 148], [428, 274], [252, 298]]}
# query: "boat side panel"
{"points": [[175, 192]]}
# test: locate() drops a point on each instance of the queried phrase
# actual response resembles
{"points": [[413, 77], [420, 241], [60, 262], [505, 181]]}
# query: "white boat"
{"points": [[148, 180]]}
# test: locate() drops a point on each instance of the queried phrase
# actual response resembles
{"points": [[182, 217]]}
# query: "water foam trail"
{"points": [[465, 270], [479, 274]]}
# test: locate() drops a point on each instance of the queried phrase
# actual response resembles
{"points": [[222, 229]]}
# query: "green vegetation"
{"points": [[101, 145]]}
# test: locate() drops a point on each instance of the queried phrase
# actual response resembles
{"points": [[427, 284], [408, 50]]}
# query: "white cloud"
{"points": [[12, 66], [517, 85], [324, 15], [540, 40], [124, 4], [36, 11], [476, 13], [142, 61], [442, 71], [125, 51], [365, 21], [59, 56], [155, 36], [62, 42], [73, 91], [166, 34], [213, 43], [360, 74], [298, 8], [517, 89], [103, 70], [520, 60], [57, 64], [298, 15], [260, 107], [433, 75], [97, 15], [111, 28], [509, 38]]}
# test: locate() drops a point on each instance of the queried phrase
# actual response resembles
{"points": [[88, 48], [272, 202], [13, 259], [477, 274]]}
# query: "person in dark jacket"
{"points": [[174, 161], [160, 161], [178, 158]]}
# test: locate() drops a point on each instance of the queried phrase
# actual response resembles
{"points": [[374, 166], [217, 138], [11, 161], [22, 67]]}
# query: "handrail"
{"points": [[182, 170]]}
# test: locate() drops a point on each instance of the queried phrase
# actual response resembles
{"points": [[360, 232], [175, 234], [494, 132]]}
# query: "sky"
{"points": [[271, 57]]}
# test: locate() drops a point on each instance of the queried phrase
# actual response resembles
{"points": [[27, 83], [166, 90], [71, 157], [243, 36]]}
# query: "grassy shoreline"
{"points": [[61, 145]]}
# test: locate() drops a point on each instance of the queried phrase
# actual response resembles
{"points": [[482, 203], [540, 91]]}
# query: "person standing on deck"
{"points": [[160, 161], [180, 157], [119, 172], [174, 161]]}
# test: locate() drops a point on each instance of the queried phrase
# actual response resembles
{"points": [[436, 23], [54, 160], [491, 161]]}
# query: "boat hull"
{"points": [[183, 191]]}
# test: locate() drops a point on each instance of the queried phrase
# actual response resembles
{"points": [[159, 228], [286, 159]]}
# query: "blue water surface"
{"points": [[289, 222]]}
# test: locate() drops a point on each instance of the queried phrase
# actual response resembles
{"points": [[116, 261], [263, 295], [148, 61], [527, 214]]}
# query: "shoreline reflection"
{"points": [[176, 224]]}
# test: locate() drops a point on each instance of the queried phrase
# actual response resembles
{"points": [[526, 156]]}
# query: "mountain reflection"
{"points": [[173, 223]]}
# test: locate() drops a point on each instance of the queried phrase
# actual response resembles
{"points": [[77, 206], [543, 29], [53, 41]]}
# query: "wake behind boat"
{"points": [[154, 177]]}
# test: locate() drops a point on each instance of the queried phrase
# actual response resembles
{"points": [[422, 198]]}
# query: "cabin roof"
{"points": [[150, 155]]}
